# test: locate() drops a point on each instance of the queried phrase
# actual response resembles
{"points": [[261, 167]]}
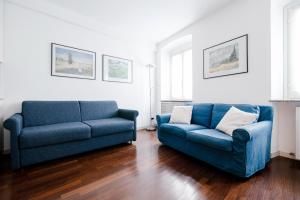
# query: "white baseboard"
{"points": [[287, 155], [6, 151], [283, 154], [275, 154], [141, 128]]}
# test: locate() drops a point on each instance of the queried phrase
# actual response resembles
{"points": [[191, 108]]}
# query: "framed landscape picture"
{"points": [[227, 58], [116, 69], [72, 62]]}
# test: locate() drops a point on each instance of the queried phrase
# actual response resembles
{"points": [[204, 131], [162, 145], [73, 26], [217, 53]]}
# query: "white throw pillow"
{"points": [[235, 118], [181, 114]]}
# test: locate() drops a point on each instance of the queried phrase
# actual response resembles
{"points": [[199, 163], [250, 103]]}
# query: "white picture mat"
{"points": [[106, 65], [243, 62]]}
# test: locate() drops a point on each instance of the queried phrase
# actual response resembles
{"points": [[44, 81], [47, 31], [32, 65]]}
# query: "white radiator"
{"points": [[167, 106], [298, 133]]}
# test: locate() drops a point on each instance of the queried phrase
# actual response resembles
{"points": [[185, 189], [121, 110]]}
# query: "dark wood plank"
{"points": [[144, 170]]}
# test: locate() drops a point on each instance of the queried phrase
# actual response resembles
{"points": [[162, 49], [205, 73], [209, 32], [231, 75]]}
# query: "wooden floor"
{"points": [[145, 170]]}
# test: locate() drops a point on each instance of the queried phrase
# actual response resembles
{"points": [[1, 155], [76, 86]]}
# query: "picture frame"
{"points": [[116, 69], [226, 58], [72, 62]]}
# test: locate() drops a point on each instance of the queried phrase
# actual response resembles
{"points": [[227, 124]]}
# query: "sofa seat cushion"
{"points": [[212, 138], [179, 129], [110, 126], [53, 134]]}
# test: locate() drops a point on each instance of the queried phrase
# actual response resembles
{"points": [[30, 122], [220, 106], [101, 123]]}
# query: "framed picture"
{"points": [[72, 62], [227, 58], [116, 69]]}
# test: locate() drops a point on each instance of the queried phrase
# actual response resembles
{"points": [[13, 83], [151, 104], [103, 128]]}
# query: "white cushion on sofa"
{"points": [[181, 114], [235, 118]]}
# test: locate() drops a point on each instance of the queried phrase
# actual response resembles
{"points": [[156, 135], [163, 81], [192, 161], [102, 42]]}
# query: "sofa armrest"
{"points": [[252, 131], [14, 124], [161, 119], [128, 114], [252, 147]]}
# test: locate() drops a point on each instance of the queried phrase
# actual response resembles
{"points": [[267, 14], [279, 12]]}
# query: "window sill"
{"points": [[176, 100], [282, 100]]}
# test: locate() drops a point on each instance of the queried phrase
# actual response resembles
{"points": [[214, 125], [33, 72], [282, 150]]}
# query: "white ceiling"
{"points": [[151, 19]]}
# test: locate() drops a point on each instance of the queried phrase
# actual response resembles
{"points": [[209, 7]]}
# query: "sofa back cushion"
{"points": [[38, 113], [202, 114], [219, 110], [91, 110], [266, 113]]}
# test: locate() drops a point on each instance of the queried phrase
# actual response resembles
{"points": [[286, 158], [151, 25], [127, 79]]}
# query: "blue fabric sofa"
{"points": [[243, 154], [47, 130]]}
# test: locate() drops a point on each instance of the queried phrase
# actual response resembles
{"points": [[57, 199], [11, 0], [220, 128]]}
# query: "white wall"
{"points": [[250, 17], [1, 60], [286, 123], [28, 32], [1, 28], [287, 126]]}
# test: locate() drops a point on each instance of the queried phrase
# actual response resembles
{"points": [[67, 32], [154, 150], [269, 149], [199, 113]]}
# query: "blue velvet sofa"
{"points": [[46, 130], [243, 154]]}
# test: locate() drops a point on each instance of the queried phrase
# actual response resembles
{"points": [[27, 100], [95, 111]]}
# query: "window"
{"points": [[292, 51], [181, 75], [176, 70], [176, 75]]}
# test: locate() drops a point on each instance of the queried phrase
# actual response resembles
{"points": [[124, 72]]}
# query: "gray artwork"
{"points": [[225, 58], [117, 69]]}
